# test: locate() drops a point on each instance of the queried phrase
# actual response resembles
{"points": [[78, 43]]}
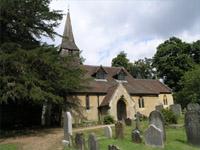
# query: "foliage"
{"points": [[108, 119], [121, 60], [170, 117], [190, 84], [37, 75], [142, 69], [25, 21], [172, 60]]}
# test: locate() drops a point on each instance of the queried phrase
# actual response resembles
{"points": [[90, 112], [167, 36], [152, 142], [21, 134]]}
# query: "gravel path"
{"points": [[46, 139]]}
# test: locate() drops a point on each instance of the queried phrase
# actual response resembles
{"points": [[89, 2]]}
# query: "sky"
{"points": [[103, 28]]}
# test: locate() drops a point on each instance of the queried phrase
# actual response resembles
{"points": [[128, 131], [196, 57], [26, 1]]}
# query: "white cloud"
{"points": [[104, 28]]}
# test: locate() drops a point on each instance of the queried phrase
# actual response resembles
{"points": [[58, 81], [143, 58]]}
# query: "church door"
{"points": [[121, 110]]}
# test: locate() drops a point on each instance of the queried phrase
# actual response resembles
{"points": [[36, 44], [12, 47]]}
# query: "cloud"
{"points": [[104, 28]]}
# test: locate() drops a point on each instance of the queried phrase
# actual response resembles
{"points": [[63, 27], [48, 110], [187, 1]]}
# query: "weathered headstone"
{"points": [[128, 121], [113, 147], [193, 106], [92, 142], [119, 130], [137, 120], [136, 137], [156, 118], [159, 107], [67, 126], [108, 132], [192, 126], [153, 136], [176, 109], [79, 141]]}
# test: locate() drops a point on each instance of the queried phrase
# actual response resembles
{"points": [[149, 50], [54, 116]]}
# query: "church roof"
{"points": [[133, 86], [68, 41]]}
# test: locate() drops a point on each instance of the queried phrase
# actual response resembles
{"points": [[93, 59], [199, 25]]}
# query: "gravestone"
{"points": [[92, 142], [113, 147], [156, 118], [136, 136], [192, 126], [128, 121], [159, 107], [176, 109], [193, 106], [108, 132], [119, 130], [137, 120], [79, 141], [67, 126], [153, 136]]}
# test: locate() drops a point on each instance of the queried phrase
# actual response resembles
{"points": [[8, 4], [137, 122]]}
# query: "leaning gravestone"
{"points": [[153, 136], [108, 132], [136, 136], [176, 109], [192, 126], [92, 142], [113, 147], [128, 121], [159, 107], [156, 118], [193, 106], [137, 120], [119, 130], [67, 126], [79, 141]]}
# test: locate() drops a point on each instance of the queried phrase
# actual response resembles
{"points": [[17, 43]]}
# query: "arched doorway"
{"points": [[121, 110]]}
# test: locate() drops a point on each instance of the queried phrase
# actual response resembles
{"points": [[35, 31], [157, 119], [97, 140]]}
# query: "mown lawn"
{"points": [[8, 147], [176, 140]]}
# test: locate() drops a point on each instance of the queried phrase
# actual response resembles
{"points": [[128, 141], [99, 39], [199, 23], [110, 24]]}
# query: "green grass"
{"points": [[176, 140], [8, 147]]}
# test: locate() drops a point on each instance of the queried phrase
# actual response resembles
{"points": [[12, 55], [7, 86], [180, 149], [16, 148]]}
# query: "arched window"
{"points": [[87, 102], [141, 102], [165, 100]]}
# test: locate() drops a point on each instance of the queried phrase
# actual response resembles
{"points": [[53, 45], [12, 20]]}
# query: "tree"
{"points": [[121, 60], [195, 51], [25, 21], [142, 69], [190, 84], [172, 60], [38, 75]]}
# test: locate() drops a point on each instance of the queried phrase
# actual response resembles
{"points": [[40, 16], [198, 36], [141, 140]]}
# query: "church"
{"points": [[112, 90]]}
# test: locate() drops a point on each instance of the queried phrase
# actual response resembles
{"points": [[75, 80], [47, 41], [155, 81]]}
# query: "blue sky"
{"points": [[103, 28]]}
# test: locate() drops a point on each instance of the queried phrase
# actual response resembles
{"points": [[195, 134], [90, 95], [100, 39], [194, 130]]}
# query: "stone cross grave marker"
{"points": [[119, 130], [108, 132], [67, 126], [193, 106], [176, 109], [113, 147], [137, 120], [192, 126], [153, 137], [156, 118], [80, 141], [136, 136], [92, 142]]}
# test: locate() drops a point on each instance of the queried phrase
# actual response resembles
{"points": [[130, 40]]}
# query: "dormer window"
{"points": [[121, 75], [100, 74]]}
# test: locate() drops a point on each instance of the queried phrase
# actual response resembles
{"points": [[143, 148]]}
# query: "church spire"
{"points": [[68, 43]]}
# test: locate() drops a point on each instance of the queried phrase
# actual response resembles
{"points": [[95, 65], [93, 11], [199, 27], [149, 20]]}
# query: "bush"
{"points": [[169, 116], [108, 120]]}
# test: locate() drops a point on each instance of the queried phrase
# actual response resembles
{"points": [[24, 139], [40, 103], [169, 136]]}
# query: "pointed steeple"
{"points": [[68, 43]]}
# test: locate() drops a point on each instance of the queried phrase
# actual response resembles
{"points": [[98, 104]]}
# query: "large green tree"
{"points": [[121, 60], [25, 21], [172, 60], [190, 84]]}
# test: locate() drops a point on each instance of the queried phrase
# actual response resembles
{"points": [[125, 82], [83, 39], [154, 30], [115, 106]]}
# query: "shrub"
{"points": [[169, 116], [108, 119]]}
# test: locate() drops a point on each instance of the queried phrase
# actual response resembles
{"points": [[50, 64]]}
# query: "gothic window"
{"points": [[87, 102], [141, 102], [165, 100]]}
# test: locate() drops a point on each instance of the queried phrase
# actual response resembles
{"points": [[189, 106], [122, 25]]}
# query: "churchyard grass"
{"points": [[8, 147]]}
